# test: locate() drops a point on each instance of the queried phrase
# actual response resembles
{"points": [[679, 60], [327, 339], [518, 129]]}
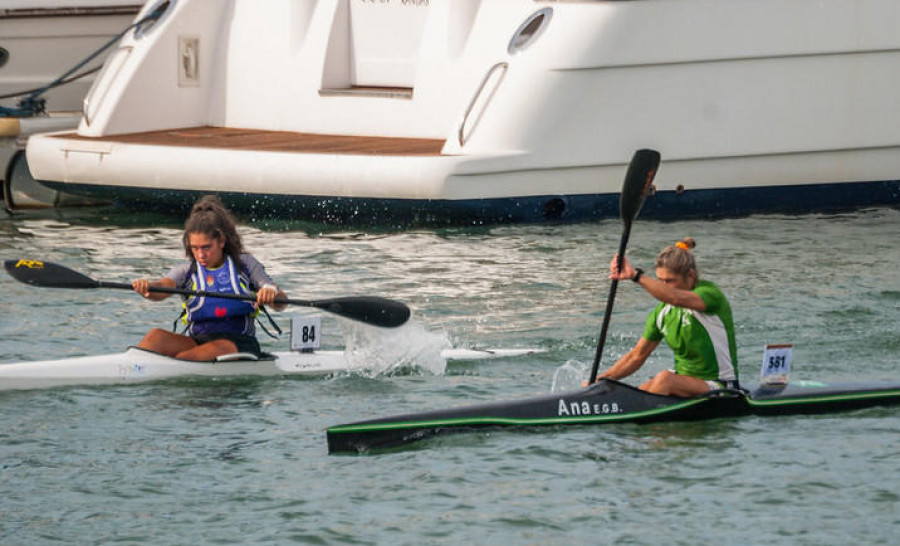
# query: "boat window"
{"points": [[4, 56], [528, 31], [153, 16]]}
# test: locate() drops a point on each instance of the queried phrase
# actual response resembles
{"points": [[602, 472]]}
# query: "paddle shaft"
{"points": [[609, 306], [640, 175], [207, 294], [370, 309]]}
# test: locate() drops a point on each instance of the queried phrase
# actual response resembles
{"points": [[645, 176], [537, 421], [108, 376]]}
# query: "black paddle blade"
{"points": [[640, 175], [370, 309], [47, 274]]}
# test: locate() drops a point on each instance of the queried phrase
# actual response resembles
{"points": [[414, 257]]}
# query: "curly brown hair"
{"points": [[210, 217]]}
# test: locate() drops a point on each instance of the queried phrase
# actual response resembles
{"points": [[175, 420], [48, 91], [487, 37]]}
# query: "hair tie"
{"points": [[682, 246]]}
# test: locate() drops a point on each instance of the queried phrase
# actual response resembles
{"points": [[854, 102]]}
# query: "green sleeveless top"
{"points": [[703, 342]]}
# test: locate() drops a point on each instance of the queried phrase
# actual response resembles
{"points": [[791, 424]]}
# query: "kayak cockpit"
{"points": [[230, 357], [251, 357]]}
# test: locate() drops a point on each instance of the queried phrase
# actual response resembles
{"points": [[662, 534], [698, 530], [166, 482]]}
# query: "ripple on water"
{"points": [[198, 461]]}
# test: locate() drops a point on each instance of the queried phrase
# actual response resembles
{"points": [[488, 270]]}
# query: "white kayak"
{"points": [[136, 365]]}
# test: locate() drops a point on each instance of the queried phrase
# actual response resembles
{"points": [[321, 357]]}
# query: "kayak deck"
{"points": [[608, 401], [138, 365]]}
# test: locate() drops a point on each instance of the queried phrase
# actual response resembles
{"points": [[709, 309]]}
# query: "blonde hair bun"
{"points": [[686, 244]]}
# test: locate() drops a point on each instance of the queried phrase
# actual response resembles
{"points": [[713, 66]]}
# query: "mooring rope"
{"points": [[34, 105]]}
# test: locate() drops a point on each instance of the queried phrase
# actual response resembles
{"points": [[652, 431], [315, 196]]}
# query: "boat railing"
{"points": [[499, 68]]}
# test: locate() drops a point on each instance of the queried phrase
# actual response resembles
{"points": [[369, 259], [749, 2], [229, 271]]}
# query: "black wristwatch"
{"points": [[637, 274]]}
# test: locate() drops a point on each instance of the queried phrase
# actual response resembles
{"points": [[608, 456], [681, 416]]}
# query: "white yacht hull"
{"points": [[45, 38], [40, 40], [755, 105]]}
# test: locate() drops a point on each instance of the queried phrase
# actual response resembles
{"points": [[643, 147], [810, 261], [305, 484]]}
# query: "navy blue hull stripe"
{"points": [[669, 205]]}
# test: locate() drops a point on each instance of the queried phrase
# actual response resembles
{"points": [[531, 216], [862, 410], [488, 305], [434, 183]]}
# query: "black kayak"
{"points": [[609, 401]]}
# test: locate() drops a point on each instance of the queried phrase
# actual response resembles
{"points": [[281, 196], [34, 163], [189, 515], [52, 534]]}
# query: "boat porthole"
{"points": [[4, 56], [679, 189], [553, 209], [153, 16], [528, 31]]}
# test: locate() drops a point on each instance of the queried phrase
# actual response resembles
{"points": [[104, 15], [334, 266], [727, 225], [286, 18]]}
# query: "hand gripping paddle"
{"points": [[369, 309]]}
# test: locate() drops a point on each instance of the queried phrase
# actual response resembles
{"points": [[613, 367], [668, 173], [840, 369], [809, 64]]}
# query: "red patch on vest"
{"points": [[221, 312], [210, 279]]}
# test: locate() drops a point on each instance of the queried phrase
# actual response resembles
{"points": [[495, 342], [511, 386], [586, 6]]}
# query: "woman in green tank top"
{"points": [[693, 317]]}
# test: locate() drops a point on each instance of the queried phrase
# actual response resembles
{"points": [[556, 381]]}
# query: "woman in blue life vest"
{"points": [[216, 263], [693, 317]]}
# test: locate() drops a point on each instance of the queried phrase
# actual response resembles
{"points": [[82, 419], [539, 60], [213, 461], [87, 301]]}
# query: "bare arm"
{"points": [[685, 299], [268, 291], [630, 361], [663, 292], [142, 287], [268, 294]]}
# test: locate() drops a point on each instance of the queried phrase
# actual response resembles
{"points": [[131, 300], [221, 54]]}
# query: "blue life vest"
{"points": [[206, 315]]}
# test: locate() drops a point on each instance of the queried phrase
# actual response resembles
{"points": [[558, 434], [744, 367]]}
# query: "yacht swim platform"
{"points": [[228, 138]]}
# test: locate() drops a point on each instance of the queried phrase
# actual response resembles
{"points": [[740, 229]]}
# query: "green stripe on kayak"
{"points": [[843, 397]]}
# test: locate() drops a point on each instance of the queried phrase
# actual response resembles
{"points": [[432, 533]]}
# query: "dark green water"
{"points": [[244, 461]]}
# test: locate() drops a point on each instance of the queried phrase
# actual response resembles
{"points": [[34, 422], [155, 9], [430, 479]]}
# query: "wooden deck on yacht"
{"points": [[275, 141]]}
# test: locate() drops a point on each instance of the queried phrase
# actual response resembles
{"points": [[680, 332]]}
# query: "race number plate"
{"points": [[776, 365], [306, 333]]}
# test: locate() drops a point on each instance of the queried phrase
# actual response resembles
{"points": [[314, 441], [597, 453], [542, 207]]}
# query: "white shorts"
{"points": [[716, 384]]}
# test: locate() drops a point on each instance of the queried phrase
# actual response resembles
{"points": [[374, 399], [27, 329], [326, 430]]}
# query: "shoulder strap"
{"points": [[190, 276], [180, 318], [185, 285]]}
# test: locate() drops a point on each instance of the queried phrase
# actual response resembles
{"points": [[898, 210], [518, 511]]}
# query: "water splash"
{"points": [[374, 351], [569, 376]]}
